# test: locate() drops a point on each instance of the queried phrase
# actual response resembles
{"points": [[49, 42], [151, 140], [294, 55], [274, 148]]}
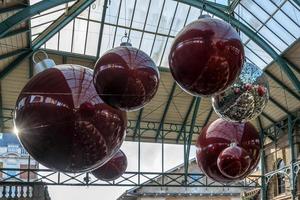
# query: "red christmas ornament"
{"points": [[126, 78], [228, 151], [261, 90], [113, 169], [64, 124], [206, 57]]}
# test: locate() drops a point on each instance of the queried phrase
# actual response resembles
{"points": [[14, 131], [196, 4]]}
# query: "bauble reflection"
{"points": [[246, 98], [64, 124], [126, 78], [228, 151], [113, 169], [206, 57]]}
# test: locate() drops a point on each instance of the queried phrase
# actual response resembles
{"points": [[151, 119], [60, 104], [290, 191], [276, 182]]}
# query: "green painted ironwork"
{"points": [[138, 122], [105, 5], [233, 5], [279, 105], [262, 160], [292, 157], [162, 121], [193, 122], [16, 32], [55, 27], [208, 117], [28, 12], [268, 117], [182, 129], [297, 2], [282, 85], [13, 53], [251, 34], [12, 8]]}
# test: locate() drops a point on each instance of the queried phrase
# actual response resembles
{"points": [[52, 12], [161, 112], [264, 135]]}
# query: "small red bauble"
{"points": [[113, 169], [206, 57], [228, 151], [64, 124], [126, 78]]}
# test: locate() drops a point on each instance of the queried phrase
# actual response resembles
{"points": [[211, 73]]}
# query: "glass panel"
{"points": [[92, 38], [180, 18], [165, 61], [292, 12], [287, 23], [158, 49], [284, 35], [80, 29], [53, 43], [96, 10], [154, 14], [147, 42], [135, 38], [253, 58], [112, 12], [255, 10], [167, 17], [268, 6], [107, 39], [140, 14], [274, 41], [65, 37]]}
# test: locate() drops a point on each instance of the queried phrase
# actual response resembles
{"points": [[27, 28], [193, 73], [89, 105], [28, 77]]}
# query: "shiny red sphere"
{"points": [[233, 162], [206, 57], [228, 151], [113, 169], [126, 78], [64, 124]]}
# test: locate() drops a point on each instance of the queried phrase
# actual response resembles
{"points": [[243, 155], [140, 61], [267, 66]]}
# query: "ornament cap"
{"points": [[43, 64], [125, 44]]}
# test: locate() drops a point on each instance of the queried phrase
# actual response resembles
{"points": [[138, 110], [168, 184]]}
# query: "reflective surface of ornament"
{"points": [[113, 169], [228, 151], [246, 98], [64, 124], [126, 78], [206, 57]]}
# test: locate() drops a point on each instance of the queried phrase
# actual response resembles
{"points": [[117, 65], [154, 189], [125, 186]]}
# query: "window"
{"points": [[280, 179]]}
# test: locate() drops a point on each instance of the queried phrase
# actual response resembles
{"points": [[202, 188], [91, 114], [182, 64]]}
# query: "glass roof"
{"points": [[153, 24]]}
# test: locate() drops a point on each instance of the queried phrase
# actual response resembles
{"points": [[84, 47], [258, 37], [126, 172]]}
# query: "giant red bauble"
{"points": [[228, 151], [113, 169], [126, 78], [206, 57], [64, 124]]}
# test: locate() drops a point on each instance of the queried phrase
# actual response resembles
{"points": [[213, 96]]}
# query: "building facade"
{"points": [[14, 162]]}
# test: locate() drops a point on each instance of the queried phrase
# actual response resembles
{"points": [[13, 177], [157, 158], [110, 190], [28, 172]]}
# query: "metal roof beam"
{"points": [[16, 32], [193, 122], [297, 2], [279, 105], [13, 53], [282, 85], [162, 121], [28, 12], [12, 8], [49, 32], [138, 123], [268, 117], [233, 5], [185, 119], [251, 34], [259, 123], [208, 117]]}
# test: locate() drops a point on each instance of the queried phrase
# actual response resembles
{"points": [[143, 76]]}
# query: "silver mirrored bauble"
{"points": [[246, 98]]}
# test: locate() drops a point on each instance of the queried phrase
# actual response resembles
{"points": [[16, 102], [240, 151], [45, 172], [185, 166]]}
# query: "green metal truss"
{"points": [[162, 121], [55, 27], [297, 2], [28, 12]]}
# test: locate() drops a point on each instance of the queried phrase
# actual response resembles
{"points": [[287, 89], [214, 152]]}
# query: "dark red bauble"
{"points": [[126, 78], [64, 124], [228, 151], [113, 169], [233, 162], [206, 57]]}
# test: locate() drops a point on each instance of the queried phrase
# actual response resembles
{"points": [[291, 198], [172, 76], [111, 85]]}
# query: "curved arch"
{"points": [[252, 35]]}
